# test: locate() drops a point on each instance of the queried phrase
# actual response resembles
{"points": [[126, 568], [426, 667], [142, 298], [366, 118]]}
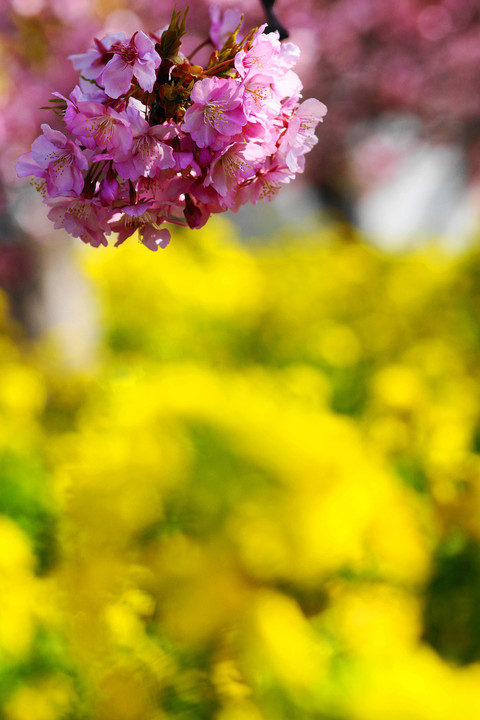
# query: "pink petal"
{"points": [[43, 152], [193, 120], [311, 111], [54, 136], [153, 238], [122, 138], [117, 77], [123, 233], [145, 74], [146, 46], [78, 155], [230, 123], [127, 170], [205, 135], [202, 90]]}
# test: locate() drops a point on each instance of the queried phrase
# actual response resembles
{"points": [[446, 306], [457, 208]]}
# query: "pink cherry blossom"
{"points": [[92, 63], [100, 126], [264, 186], [90, 93], [299, 137], [217, 112], [288, 56], [81, 217], [56, 159], [207, 200], [154, 238], [137, 58], [288, 88], [141, 217], [262, 103], [229, 167], [260, 61], [310, 112], [195, 143], [148, 152]]}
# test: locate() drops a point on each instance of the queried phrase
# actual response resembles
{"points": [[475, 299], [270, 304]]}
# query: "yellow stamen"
{"points": [[214, 111]]}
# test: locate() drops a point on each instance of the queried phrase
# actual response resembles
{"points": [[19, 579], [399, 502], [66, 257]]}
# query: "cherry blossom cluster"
{"points": [[147, 138]]}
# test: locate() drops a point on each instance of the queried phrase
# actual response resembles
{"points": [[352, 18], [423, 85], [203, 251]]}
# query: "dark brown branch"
{"points": [[273, 23]]}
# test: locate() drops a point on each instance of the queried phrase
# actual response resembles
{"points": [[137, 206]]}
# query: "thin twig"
{"points": [[199, 47]]}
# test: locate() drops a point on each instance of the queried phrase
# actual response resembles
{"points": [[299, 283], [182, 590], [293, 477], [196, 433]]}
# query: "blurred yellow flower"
{"points": [[262, 501]]}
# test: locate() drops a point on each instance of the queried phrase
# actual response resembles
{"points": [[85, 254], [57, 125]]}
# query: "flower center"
{"points": [[62, 162], [144, 146], [79, 210], [128, 53], [138, 220], [232, 164], [102, 128], [259, 93], [308, 125], [214, 111], [269, 190], [40, 186], [251, 60]]}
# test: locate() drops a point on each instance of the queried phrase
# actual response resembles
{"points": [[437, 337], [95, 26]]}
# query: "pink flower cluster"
{"points": [[147, 138]]}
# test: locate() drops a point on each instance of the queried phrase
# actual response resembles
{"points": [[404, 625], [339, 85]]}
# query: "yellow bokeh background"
{"points": [[261, 499]]}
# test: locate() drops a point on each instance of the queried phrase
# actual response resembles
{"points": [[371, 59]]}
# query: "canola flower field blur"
{"points": [[261, 502]]}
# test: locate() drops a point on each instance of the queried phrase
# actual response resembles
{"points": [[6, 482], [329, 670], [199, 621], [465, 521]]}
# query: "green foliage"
{"points": [[172, 37], [25, 497], [452, 608]]}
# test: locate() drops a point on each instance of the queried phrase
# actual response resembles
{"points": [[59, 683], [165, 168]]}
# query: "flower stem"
{"points": [[215, 68]]}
